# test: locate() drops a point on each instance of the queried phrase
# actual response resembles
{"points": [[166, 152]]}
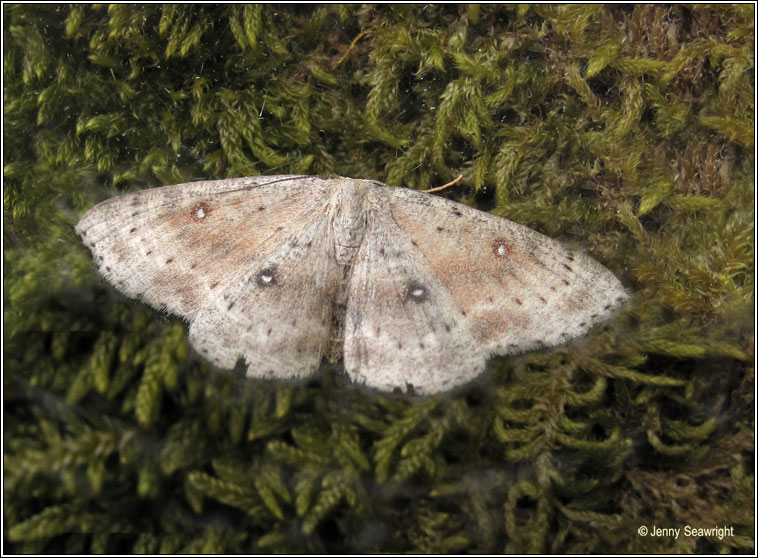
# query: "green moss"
{"points": [[627, 130]]}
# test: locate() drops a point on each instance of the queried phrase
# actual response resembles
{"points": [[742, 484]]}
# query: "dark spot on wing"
{"points": [[266, 277], [200, 212], [501, 249], [416, 292]]}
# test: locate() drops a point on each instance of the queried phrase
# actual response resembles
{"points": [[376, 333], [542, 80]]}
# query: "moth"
{"points": [[414, 291]]}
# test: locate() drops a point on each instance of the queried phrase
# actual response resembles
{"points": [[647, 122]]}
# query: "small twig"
{"points": [[438, 188]]}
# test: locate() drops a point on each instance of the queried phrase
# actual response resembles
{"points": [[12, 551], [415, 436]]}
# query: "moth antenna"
{"points": [[342, 59], [440, 188]]}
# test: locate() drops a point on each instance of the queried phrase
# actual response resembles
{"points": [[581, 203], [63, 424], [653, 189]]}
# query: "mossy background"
{"points": [[627, 130]]}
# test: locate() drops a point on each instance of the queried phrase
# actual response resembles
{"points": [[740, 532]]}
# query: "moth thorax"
{"points": [[348, 219]]}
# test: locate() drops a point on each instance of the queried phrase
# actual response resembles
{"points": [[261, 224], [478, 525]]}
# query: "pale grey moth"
{"points": [[413, 291]]}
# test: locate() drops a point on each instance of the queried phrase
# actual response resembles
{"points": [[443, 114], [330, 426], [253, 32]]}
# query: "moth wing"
{"points": [[192, 249], [174, 247], [498, 286], [402, 329], [278, 315]]}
